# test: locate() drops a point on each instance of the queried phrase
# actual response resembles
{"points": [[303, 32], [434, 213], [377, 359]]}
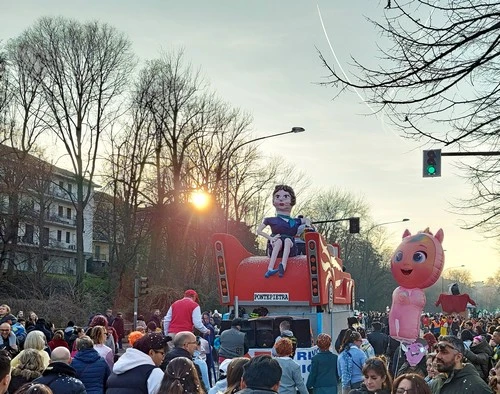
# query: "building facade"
{"points": [[38, 216]]}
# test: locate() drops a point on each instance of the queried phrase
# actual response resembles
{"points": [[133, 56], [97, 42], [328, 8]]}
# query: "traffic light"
{"points": [[432, 163], [354, 225], [143, 285]]}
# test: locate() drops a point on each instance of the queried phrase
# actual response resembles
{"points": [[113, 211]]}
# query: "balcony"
{"points": [[62, 220], [57, 192], [100, 257]]}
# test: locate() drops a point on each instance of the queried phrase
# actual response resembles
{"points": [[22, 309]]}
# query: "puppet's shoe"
{"points": [[270, 273], [281, 270]]}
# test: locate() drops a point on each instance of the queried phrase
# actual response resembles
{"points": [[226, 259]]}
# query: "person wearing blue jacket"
{"points": [[90, 367], [351, 360]]}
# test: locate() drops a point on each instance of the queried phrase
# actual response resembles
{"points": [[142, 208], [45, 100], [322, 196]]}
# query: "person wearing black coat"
{"points": [[378, 339], [351, 321], [41, 325], [479, 355], [185, 344], [60, 376], [90, 367]]}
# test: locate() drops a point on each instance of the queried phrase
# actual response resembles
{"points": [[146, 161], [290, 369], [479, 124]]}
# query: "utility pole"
{"points": [[136, 300]]}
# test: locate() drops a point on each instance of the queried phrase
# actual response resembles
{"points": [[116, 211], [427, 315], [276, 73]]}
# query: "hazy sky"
{"points": [[261, 56]]}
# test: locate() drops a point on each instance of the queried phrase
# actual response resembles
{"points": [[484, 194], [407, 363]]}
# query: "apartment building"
{"points": [[38, 217]]}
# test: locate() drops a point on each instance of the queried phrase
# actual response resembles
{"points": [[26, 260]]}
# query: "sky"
{"points": [[262, 56]]}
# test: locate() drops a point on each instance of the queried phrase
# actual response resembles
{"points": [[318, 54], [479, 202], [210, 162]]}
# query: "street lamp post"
{"points": [[446, 269], [383, 224], [293, 130]]}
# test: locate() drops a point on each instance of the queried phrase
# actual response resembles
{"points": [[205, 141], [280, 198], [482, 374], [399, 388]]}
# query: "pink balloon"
{"points": [[416, 264]]}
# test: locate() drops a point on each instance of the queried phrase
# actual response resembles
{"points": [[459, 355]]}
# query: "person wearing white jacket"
{"points": [[136, 371]]}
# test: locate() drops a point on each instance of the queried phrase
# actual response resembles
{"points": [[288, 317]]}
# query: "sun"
{"points": [[200, 199]]}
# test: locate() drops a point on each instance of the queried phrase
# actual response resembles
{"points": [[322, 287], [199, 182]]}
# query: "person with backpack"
{"points": [[350, 361]]}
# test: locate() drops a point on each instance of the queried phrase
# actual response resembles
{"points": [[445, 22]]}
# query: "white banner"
{"points": [[303, 357]]}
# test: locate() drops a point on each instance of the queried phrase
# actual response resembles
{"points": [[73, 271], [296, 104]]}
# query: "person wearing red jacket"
{"points": [[58, 340], [183, 314]]}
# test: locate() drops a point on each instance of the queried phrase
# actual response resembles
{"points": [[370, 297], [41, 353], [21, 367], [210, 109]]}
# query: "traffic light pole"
{"points": [[136, 300], [353, 223], [470, 153]]}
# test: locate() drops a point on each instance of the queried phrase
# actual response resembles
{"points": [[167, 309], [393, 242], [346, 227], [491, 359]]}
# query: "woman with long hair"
{"points": [[410, 383], [234, 374], [98, 336], [180, 378], [351, 360], [29, 368], [377, 379]]}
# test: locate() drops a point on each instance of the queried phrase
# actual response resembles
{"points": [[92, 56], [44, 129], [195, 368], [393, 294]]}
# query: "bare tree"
{"points": [[439, 83], [85, 69]]}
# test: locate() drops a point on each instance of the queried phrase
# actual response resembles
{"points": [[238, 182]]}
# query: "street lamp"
{"points": [[446, 269], [293, 130], [383, 224]]}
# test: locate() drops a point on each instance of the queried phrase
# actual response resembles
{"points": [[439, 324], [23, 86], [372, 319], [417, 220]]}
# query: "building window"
{"points": [[61, 211], [45, 236], [59, 235], [68, 213], [70, 187], [68, 237], [61, 185], [28, 235], [97, 252]]}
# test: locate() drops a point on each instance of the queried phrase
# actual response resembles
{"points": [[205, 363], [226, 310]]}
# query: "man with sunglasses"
{"points": [[461, 377], [185, 344]]}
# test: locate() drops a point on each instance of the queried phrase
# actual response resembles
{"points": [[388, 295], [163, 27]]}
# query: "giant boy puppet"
{"points": [[281, 241], [416, 264]]}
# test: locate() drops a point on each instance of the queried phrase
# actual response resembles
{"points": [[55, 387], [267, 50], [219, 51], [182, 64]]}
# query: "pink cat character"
{"points": [[416, 264]]}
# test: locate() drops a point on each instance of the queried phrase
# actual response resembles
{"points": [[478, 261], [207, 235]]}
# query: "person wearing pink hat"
{"points": [[183, 315]]}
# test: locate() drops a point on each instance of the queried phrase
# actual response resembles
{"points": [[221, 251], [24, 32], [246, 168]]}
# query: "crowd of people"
{"points": [[183, 353], [462, 356]]}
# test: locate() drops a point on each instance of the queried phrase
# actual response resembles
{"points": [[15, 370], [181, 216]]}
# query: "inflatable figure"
{"points": [[281, 241], [416, 264], [455, 302]]}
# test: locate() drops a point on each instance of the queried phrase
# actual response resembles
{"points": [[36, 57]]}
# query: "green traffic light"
{"points": [[431, 170]]}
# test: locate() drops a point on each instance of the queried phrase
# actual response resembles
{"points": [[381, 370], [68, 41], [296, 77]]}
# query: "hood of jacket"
{"points": [[286, 333], [130, 359], [60, 368], [482, 347], [69, 330], [87, 356]]}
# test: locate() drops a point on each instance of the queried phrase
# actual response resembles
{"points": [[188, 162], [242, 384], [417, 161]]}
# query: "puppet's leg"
{"points": [[276, 249], [286, 253]]}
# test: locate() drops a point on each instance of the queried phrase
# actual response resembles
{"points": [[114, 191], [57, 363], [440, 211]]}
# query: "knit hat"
{"points": [[151, 341], [191, 294]]}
